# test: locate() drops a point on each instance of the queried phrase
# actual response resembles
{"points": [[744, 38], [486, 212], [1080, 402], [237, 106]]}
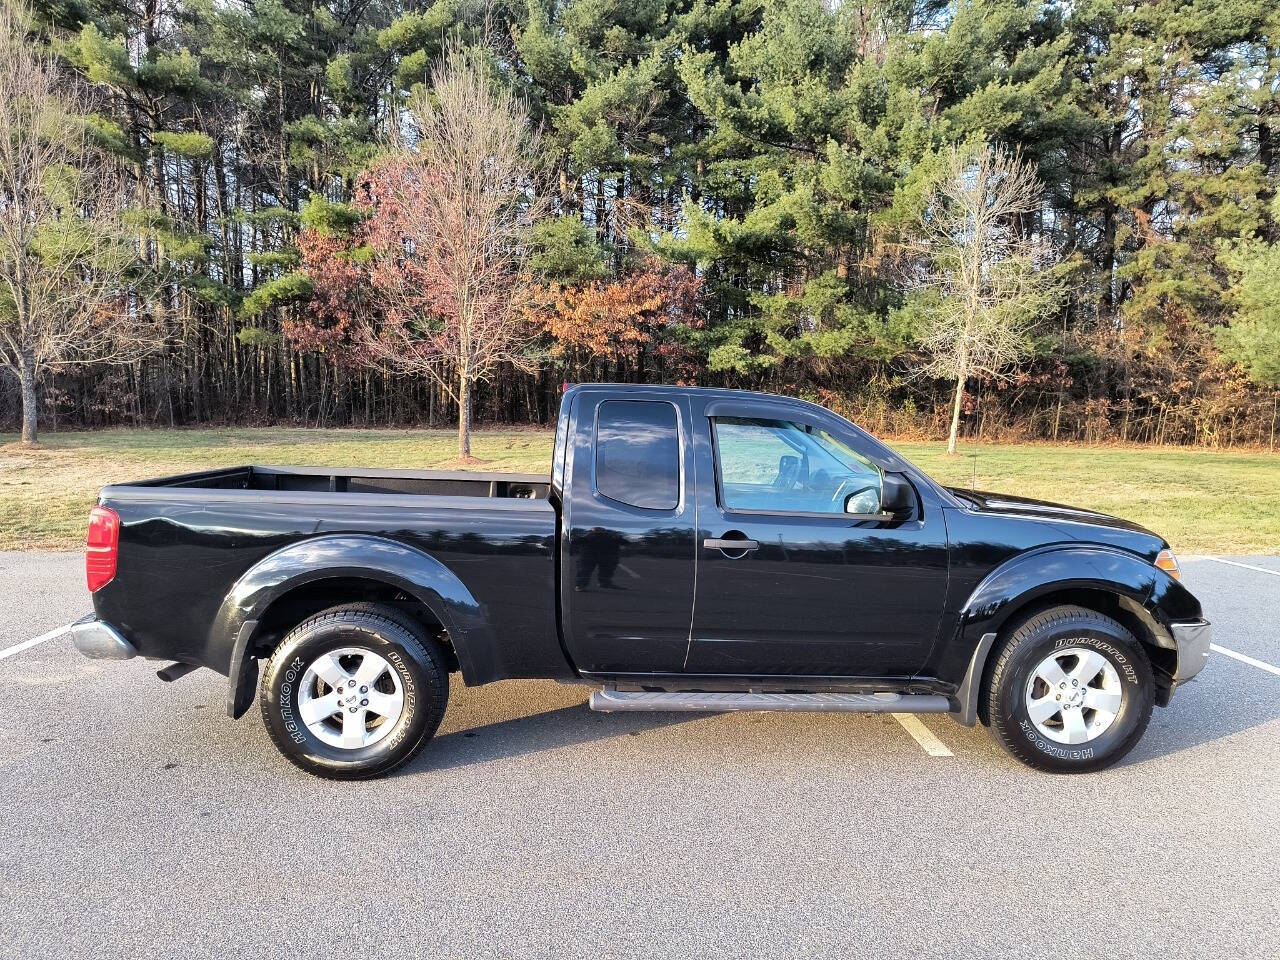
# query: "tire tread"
{"points": [[1050, 617], [368, 615]]}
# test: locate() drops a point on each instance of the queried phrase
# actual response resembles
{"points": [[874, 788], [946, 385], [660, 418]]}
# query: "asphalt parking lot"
{"points": [[136, 820]]}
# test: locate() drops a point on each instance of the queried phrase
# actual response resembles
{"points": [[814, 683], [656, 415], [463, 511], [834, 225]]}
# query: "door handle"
{"points": [[716, 543]]}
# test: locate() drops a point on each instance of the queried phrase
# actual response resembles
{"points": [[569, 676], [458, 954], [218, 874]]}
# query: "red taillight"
{"points": [[100, 549]]}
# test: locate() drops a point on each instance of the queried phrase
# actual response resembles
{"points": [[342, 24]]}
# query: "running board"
{"points": [[611, 701]]}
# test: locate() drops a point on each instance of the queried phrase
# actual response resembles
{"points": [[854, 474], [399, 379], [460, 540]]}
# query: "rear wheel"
{"points": [[1071, 691], [354, 692]]}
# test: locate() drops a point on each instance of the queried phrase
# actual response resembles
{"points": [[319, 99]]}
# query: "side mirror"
{"points": [[898, 497]]}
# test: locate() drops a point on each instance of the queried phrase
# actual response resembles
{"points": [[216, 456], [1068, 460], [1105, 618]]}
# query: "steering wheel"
{"points": [[840, 496]]}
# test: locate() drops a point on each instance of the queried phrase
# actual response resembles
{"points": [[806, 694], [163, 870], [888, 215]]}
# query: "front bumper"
{"points": [[1193, 640], [100, 641]]}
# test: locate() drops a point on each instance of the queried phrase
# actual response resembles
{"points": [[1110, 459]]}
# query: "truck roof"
{"points": [[675, 389], [886, 456]]}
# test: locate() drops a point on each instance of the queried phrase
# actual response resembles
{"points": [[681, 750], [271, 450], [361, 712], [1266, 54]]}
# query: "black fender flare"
{"points": [[360, 556], [1150, 595]]}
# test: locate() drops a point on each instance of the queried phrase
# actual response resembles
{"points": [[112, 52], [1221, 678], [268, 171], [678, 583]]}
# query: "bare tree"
{"points": [[446, 216], [981, 281], [64, 257]]}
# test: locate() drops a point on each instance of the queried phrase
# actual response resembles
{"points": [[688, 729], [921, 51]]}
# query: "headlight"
{"points": [[1167, 562]]}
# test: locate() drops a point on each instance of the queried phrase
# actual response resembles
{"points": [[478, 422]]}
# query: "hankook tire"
{"points": [[354, 692], [1070, 691]]}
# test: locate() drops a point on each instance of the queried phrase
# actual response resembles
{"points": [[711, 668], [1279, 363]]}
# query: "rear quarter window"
{"points": [[638, 453]]}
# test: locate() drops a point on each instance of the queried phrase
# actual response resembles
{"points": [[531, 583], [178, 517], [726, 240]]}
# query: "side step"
{"points": [[611, 701]]}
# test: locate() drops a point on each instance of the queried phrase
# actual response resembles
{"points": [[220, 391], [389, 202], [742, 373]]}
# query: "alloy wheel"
{"points": [[1074, 695], [350, 698]]}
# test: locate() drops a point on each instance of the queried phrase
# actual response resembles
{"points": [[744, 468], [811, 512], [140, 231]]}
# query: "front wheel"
{"points": [[1070, 692], [354, 692]]}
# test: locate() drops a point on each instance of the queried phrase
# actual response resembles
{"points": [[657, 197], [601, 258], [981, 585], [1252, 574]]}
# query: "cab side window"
{"points": [[776, 466], [638, 453]]}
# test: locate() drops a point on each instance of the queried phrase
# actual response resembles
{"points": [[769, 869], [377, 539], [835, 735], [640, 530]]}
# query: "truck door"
{"points": [[816, 588], [627, 535]]}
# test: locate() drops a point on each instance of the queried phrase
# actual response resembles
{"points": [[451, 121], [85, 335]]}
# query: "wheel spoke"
{"points": [[1044, 708], [330, 717], [1073, 725], [353, 729], [385, 704], [370, 669], [1106, 702], [1093, 684], [1090, 666], [330, 670], [313, 711], [1051, 673]]}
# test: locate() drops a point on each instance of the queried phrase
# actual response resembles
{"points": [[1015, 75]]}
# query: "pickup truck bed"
{"points": [[513, 486], [494, 532]]}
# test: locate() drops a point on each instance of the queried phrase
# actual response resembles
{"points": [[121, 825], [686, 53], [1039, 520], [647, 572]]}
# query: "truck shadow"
{"points": [[1230, 703], [552, 729], [1225, 702]]}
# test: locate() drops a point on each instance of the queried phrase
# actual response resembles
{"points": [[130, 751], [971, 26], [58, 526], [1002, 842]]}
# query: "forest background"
{"points": [[730, 184]]}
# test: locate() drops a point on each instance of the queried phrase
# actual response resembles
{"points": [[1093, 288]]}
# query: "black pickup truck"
{"points": [[691, 549]]}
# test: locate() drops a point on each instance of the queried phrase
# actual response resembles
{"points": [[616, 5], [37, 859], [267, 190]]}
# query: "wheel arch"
{"points": [[314, 596], [312, 575], [1155, 638], [1108, 581]]}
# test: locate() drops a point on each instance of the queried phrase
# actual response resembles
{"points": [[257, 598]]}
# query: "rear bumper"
{"points": [[1193, 640], [101, 641]]}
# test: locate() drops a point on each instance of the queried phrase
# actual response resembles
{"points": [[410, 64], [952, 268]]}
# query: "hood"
{"points": [[988, 502]]}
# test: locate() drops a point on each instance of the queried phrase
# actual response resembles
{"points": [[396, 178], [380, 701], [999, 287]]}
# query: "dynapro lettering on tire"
{"points": [[412, 653], [1123, 663], [1025, 646]]}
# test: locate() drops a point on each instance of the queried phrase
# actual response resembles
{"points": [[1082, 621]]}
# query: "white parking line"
{"points": [[922, 735], [1243, 659], [1244, 566], [28, 644], [1260, 664]]}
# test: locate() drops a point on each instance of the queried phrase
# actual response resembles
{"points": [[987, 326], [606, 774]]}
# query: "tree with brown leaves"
{"points": [[619, 319], [445, 216]]}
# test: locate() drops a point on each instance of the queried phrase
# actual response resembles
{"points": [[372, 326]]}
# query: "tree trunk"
{"points": [[1274, 398], [464, 417], [1266, 157], [955, 415], [27, 377]]}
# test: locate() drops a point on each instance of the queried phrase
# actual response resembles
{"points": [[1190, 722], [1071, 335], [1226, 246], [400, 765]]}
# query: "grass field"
{"points": [[1201, 500]]}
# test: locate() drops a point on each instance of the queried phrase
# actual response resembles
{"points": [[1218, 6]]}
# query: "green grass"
{"points": [[1203, 501]]}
